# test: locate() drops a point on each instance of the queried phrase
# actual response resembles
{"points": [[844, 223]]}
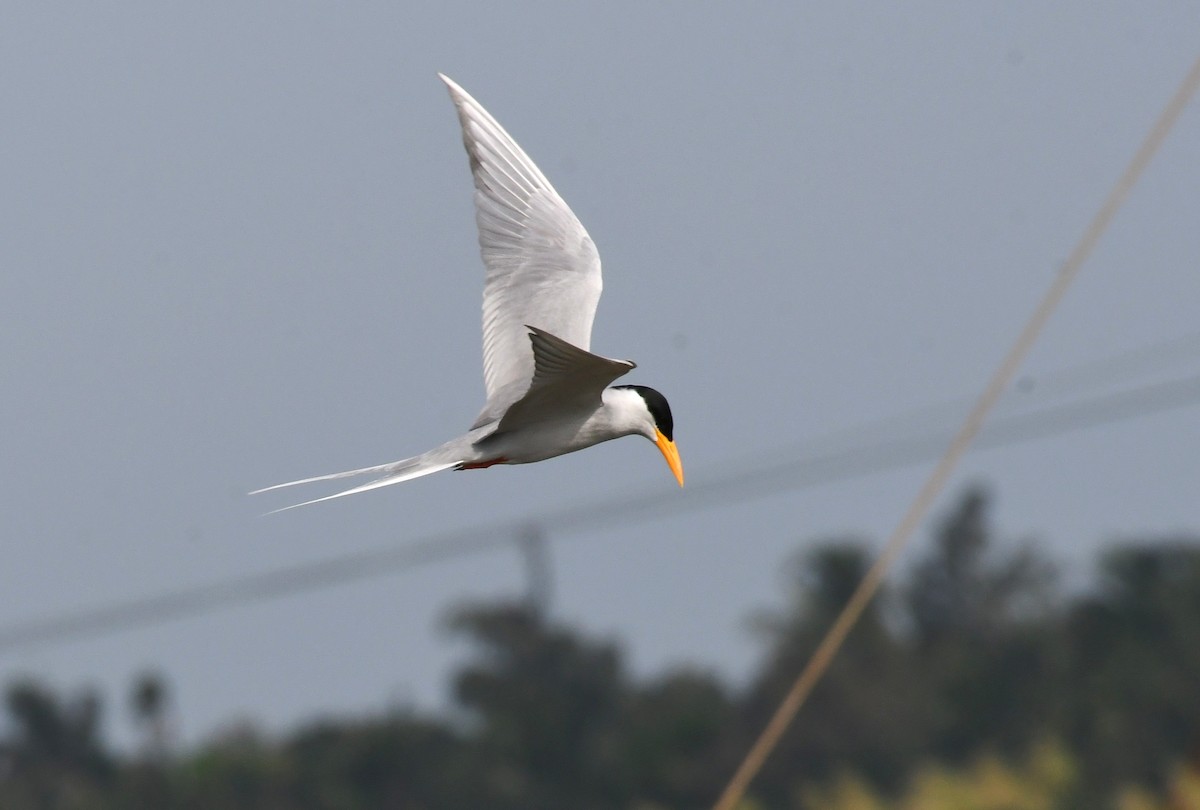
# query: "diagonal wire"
{"points": [[862, 596], [758, 481], [797, 466]]}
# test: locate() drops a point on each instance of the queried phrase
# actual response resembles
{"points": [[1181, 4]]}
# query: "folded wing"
{"points": [[566, 380]]}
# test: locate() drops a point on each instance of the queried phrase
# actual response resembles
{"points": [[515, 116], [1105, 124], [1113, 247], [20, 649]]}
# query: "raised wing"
{"points": [[566, 379], [542, 267]]}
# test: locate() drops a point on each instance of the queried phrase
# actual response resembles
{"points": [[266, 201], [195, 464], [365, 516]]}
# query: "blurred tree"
{"points": [[962, 591], [1134, 702], [147, 780], [985, 636], [1044, 782], [941, 698], [148, 701], [548, 707], [54, 754], [396, 763], [675, 740], [238, 770], [846, 791], [867, 712]]}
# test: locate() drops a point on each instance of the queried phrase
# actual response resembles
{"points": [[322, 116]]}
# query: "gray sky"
{"points": [[239, 248]]}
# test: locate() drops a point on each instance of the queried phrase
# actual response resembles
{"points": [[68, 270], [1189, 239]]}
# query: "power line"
{"points": [[817, 665], [749, 483], [756, 480], [1075, 380]]}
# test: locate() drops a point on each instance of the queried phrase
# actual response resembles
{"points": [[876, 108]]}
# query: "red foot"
{"points": [[483, 465]]}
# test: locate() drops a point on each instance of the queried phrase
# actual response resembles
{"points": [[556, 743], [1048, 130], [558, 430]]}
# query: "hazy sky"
{"points": [[239, 248]]}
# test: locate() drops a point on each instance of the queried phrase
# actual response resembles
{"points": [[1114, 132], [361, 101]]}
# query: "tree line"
{"points": [[976, 680]]}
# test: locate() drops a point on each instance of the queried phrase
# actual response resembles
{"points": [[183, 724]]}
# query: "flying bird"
{"points": [[547, 394]]}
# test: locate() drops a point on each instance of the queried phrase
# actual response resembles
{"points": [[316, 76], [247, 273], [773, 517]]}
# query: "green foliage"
{"points": [[972, 683], [983, 627], [1046, 781], [870, 707], [53, 752], [1135, 663]]}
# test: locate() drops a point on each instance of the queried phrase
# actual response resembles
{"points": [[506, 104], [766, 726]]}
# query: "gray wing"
{"points": [[566, 379], [542, 267]]}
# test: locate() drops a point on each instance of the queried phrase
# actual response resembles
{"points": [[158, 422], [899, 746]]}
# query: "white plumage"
{"points": [[547, 394]]}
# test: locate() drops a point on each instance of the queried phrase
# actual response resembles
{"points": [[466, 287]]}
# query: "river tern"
{"points": [[547, 394]]}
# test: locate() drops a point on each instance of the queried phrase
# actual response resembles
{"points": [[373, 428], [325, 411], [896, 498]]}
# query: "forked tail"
{"points": [[441, 458]]}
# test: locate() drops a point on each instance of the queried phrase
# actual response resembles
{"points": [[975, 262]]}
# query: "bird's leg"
{"points": [[482, 465]]}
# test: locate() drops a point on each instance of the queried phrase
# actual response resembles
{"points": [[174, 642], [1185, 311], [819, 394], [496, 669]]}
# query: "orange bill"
{"points": [[671, 455]]}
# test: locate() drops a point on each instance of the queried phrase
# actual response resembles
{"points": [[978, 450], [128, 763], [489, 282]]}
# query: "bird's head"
{"points": [[652, 418]]}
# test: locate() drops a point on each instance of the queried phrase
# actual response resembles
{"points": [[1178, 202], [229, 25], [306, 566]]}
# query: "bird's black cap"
{"points": [[656, 403]]}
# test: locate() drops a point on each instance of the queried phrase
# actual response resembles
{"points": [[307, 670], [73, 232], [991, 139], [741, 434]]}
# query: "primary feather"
{"points": [[542, 267]]}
